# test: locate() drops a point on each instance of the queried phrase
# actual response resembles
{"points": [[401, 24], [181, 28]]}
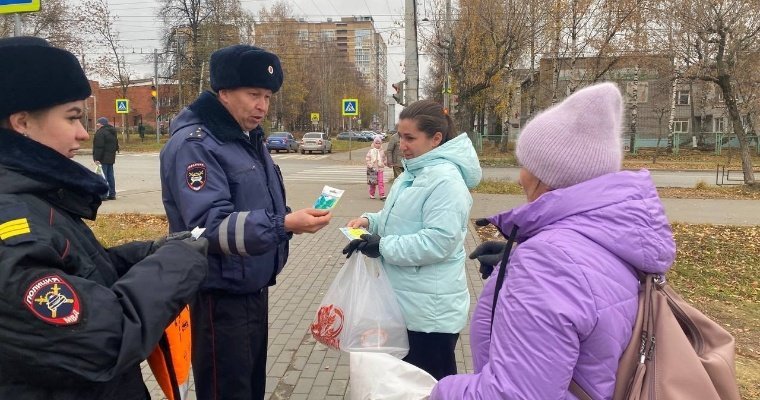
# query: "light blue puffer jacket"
{"points": [[423, 225]]}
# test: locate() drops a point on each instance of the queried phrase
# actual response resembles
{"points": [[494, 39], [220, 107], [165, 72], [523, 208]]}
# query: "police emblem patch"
{"points": [[196, 176], [53, 300]]}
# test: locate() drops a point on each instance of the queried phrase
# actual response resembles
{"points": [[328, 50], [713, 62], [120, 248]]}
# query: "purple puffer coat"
{"points": [[570, 297]]}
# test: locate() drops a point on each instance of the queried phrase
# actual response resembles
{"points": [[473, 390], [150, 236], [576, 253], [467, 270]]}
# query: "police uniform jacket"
{"points": [[77, 318], [215, 177]]}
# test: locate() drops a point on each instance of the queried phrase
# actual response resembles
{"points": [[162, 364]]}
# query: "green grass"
{"points": [[342, 145]]}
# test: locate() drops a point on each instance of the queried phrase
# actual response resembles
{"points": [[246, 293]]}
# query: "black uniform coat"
{"points": [[105, 144], [76, 319]]}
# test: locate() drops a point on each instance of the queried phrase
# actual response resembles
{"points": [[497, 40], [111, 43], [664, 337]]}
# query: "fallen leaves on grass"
{"points": [[496, 186], [710, 192], [115, 229]]}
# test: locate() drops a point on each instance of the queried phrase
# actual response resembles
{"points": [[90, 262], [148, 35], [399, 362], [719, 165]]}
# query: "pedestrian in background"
{"points": [[393, 155], [419, 234], [216, 173], [105, 145], [568, 304], [376, 161], [77, 318]]}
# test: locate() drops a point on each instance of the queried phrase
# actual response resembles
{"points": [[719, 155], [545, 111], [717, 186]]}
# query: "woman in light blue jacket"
{"points": [[419, 234]]}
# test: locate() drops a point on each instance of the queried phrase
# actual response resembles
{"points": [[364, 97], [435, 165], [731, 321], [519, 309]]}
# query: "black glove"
{"points": [[200, 245], [369, 245], [482, 222], [172, 236], [488, 253]]}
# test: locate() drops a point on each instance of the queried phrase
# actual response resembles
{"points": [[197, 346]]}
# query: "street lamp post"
{"points": [[94, 109]]}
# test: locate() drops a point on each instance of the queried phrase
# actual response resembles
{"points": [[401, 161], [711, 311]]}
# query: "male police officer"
{"points": [[216, 173]]}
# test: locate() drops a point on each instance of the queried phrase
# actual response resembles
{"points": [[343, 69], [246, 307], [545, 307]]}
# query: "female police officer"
{"points": [[76, 319]]}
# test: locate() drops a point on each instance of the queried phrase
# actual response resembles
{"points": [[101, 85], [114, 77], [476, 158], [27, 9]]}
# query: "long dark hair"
{"points": [[430, 118]]}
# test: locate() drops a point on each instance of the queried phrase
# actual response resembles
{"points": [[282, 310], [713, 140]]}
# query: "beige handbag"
{"points": [[675, 352]]}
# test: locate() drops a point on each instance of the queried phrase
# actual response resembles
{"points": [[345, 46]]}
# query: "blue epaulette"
{"points": [[197, 134]]}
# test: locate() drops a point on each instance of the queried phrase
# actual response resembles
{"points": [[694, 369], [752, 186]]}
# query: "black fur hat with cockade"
{"points": [[245, 66]]}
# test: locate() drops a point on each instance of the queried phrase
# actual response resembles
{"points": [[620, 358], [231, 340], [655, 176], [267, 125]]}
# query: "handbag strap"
{"points": [[578, 391], [503, 270], [647, 337]]}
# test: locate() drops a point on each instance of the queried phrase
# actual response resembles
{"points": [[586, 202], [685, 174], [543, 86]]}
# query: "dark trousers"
{"points": [[397, 171], [230, 345], [108, 171], [433, 352]]}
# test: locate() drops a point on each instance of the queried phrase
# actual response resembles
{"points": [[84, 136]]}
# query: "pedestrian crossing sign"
{"points": [[18, 6], [122, 106], [350, 107]]}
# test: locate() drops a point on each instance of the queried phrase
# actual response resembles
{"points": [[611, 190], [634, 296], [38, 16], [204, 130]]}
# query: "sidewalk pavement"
{"points": [[299, 368]]}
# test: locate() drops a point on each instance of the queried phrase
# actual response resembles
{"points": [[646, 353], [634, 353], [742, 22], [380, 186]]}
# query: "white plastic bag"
{"points": [[360, 312], [375, 376], [99, 171]]}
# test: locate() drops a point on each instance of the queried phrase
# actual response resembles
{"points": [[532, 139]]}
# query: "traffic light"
{"points": [[153, 93], [399, 96]]}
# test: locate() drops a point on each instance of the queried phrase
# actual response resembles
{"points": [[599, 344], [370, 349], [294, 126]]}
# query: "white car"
{"points": [[315, 141]]}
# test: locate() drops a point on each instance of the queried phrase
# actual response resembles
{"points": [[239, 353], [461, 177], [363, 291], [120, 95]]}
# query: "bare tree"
{"points": [[99, 22], [196, 28], [718, 41], [487, 41], [56, 21]]}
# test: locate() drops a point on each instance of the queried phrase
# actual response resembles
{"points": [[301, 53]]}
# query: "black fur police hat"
{"points": [[242, 65], [35, 75]]}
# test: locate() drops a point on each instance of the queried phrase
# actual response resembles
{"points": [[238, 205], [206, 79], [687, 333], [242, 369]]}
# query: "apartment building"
{"points": [[355, 38], [699, 117]]}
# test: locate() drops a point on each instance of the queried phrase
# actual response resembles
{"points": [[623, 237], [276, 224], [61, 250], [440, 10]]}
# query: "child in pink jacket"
{"points": [[376, 161]]}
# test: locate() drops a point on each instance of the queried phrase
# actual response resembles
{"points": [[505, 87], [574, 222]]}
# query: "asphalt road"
{"points": [[138, 188]]}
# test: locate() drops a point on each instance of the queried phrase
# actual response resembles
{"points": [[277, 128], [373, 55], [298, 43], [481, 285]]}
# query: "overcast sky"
{"points": [[140, 30]]}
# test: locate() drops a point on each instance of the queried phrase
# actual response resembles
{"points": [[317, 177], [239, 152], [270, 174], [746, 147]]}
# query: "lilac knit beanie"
{"points": [[576, 140]]}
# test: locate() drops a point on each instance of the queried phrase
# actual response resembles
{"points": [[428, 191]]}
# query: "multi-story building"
{"points": [[699, 113], [355, 37]]}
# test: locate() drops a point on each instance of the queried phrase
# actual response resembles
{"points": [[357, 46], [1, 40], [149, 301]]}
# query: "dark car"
{"points": [[282, 141], [351, 134]]}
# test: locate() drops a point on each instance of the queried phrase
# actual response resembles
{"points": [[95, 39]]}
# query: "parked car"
{"points": [[282, 141], [315, 141], [352, 134], [368, 135]]}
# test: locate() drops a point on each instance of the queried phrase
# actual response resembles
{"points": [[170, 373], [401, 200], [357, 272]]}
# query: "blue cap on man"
{"points": [[245, 66]]}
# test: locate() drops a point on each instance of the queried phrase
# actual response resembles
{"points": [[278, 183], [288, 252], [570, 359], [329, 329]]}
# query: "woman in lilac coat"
{"points": [[567, 306]]}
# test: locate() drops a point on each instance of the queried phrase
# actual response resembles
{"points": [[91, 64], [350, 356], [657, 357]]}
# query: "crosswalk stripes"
{"points": [[334, 174]]}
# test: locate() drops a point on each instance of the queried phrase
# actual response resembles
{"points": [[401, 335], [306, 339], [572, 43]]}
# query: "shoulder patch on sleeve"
{"points": [[197, 134], [53, 300], [195, 176], [14, 225]]}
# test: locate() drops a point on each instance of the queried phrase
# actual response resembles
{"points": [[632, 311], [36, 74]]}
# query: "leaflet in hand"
{"points": [[197, 232], [353, 233], [329, 198]]}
